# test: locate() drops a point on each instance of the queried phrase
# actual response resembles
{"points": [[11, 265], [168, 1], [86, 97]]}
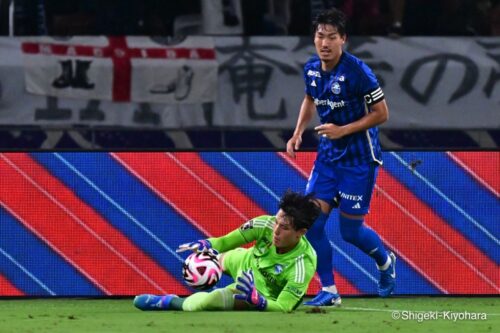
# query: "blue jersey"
{"points": [[343, 96]]}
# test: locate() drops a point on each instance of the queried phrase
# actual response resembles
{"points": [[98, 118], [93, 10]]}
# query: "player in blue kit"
{"points": [[350, 104]]}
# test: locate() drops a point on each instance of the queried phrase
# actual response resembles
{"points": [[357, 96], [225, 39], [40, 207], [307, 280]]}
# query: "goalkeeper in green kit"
{"points": [[273, 275]]}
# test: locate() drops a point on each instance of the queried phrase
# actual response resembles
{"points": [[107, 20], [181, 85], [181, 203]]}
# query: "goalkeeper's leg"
{"points": [[219, 299]]}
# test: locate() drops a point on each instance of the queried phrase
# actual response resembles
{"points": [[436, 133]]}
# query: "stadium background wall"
{"points": [[98, 223]]}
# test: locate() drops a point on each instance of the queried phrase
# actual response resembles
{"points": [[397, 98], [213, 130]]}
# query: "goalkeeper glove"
{"points": [[249, 294], [202, 245]]}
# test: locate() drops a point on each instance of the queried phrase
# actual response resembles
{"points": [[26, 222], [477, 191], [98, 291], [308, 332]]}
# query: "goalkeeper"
{"points": [[273, 275]]}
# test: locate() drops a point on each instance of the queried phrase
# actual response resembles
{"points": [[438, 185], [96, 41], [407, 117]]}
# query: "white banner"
{"points": [[429, 83], [122, 69]]}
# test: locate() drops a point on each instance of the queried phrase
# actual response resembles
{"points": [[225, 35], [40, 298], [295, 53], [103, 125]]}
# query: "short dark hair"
{"points": [[302, 209], [333, 17]]}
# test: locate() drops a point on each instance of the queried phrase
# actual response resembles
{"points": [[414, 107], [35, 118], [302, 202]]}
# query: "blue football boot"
{"points": [[325, 298], [148, 302], [387, 281]]}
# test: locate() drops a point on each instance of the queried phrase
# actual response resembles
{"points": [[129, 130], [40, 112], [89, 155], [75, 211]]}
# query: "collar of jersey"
{"points": [[334, 69]]}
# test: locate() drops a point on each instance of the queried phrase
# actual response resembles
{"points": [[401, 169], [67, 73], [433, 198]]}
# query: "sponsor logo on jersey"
{"points": [[356, 206], [341, 78], [352, 197], [268, 276], [294, 291], [313, 73], [333, 105], [278, 269], [313, 84], [336, 88]]}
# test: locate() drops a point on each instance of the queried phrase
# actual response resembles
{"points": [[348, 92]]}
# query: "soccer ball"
{"points": [[201, 270]]}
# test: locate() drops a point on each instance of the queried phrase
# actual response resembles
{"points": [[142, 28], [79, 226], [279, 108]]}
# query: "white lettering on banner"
{"points": [[331, 104], [71, 51], [45, 49], [194, 55], [97, 52], [120, 53], [171, 54]]}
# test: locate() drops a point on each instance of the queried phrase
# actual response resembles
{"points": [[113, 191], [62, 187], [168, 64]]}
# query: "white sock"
{"points": [[385, 266], [331, 289]]}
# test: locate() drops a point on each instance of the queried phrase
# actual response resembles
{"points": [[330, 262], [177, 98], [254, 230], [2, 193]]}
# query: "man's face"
{"points": [[328, 42], [285, 237]]}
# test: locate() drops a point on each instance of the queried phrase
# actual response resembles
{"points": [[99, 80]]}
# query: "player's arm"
{"points": [[379, 113], [306, 113], [246, 233], [236, 238], [228, 242]]}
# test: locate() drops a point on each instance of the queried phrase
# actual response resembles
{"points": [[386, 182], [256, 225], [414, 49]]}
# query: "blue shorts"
{"points": [[350, 188]]}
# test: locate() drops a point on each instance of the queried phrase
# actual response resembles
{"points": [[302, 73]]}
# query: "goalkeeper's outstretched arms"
{"points": [[236, 238]]}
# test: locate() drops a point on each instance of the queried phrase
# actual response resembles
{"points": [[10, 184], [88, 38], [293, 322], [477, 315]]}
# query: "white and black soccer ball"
{"points": [[201, 270]]}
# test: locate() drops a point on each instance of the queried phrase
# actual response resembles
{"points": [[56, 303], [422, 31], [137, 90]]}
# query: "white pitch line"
{"points": [[354, 308]]}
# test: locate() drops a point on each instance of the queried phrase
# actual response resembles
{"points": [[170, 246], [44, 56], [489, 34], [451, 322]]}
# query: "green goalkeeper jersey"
{"points": [[282, 278]]}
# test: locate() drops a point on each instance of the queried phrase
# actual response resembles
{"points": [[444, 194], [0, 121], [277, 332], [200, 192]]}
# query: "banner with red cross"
{"points": [[122, 69]]}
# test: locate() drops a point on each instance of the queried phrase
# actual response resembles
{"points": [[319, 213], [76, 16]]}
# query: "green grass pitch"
{"points": [[413, 314]]}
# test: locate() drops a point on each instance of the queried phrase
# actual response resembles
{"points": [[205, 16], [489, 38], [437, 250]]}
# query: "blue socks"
{"points": [[364, 238], [352, 231], [317, 237]]}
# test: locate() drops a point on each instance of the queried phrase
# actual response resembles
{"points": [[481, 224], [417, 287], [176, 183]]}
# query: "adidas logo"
{"points": [[356, 206], [313, 84]]}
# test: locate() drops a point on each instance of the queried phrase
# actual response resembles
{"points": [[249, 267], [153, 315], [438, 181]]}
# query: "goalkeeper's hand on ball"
{"points": [[249, 294], [202, 245]]}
